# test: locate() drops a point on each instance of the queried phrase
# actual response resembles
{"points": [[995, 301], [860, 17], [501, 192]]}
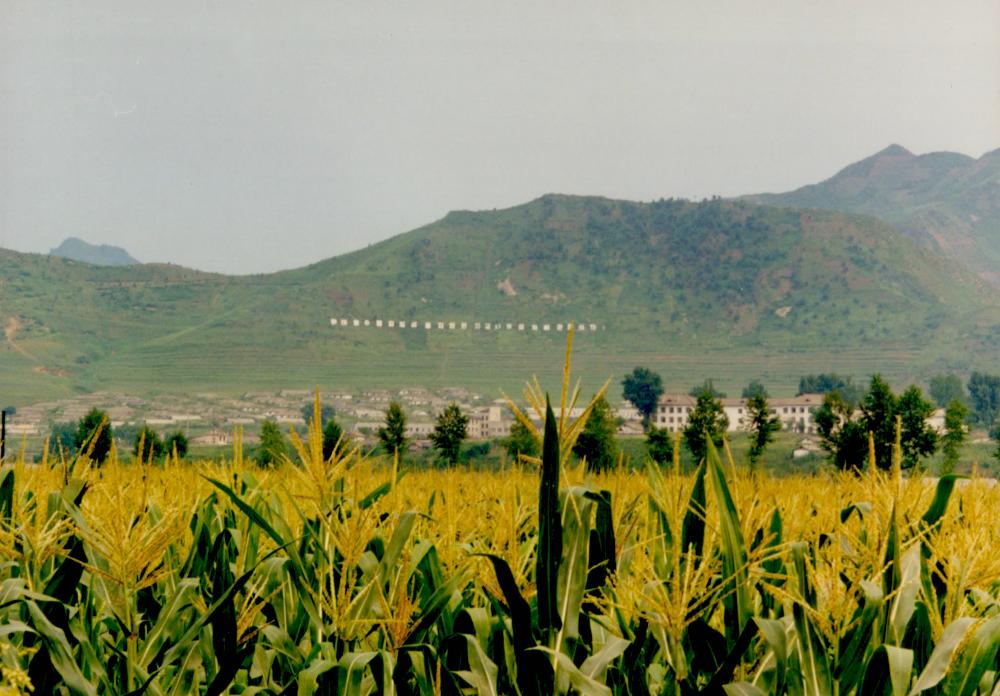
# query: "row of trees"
{"points": [[848, 415], [706, 421], [94, 430]]}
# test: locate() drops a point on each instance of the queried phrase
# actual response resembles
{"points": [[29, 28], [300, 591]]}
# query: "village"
{"points": [[210, 421]]}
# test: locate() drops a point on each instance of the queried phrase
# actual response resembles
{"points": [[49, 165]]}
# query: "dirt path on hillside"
{"points": [[10, 333]]}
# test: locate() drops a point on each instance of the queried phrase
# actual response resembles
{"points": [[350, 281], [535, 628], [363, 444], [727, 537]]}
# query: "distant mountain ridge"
{"points": [[728, 289], [947, 201], [76, 249]]}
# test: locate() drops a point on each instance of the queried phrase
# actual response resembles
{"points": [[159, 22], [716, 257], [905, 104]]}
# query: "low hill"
{"points": [[96, 254], [943, 200], [730, 290]]}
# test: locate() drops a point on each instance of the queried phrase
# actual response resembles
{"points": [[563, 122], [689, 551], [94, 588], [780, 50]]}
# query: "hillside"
{"points": [[725, 289], [946, 201], [97, 254]]}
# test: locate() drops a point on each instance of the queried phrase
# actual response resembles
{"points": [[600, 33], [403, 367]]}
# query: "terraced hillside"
{"points": [[731, 290]]}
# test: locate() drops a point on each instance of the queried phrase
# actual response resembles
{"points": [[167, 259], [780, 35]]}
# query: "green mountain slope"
{"points": [[946, 201], [725, 289], [97, 254]]}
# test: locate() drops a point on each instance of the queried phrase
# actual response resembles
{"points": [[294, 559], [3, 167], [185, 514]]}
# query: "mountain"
{"points": [[944, 200], [724, 289], [97, 254]]}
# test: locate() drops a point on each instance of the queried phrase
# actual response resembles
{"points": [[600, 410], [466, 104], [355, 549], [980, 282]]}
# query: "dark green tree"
{"points": [[706, 421], [95, 422], [326, 412], [63, 438], [393, 433], [660, 445], [520, 441], [176, 442], [841, 433], [706, 387], [878, 416], [272, 450], [827, 382], [755, 388], [449, 431], [149, 442], [643, 388], [954, 434], [761, 425], [984, 395], [596, 443], [333, 438], [945, 388], [844, 430], [917, 439]]}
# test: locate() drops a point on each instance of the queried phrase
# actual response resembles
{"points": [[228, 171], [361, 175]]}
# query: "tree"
{"points": [[841, 434], [660, 445], [708, 386], [272, 449], [917, 439], [449, 431], [643, 388], [333, 439], [844, 431], [596, 443], [706, 421], [984, 393], [147, 444], [521, 441], [954, 434], [63, 437], [326, 412], [393, 433], [755, 388], [95, 422], [762, 425], [827, 382], [878, 417], [176, 442], [945, 388]]}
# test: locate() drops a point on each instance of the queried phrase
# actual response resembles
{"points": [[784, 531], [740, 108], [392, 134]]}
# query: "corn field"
{"points": [[349, 575]]}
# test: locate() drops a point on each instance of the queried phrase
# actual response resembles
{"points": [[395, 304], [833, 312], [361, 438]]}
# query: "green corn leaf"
{"points": [[59, 652], [577, 680], [941, 659], [394, 550], [597, 664], [549, 528], [978, 654], [743, 689], [693, 525], [299, 572], [310, 678], [738, 607], [482, 672], [938, 506], [577, 512], [902, 604], [6, 494], [851, 665], [534, 673], [813, 662], [888, 672], [602, 543]]}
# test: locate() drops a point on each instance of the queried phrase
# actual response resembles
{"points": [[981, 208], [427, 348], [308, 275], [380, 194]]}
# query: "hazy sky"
{"points": [[251, 136]]}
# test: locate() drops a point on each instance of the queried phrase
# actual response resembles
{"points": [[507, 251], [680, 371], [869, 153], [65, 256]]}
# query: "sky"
{"points": [[246, 137]]}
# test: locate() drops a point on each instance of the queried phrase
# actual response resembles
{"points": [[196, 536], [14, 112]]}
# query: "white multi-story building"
{"points": [[795, 413]]}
